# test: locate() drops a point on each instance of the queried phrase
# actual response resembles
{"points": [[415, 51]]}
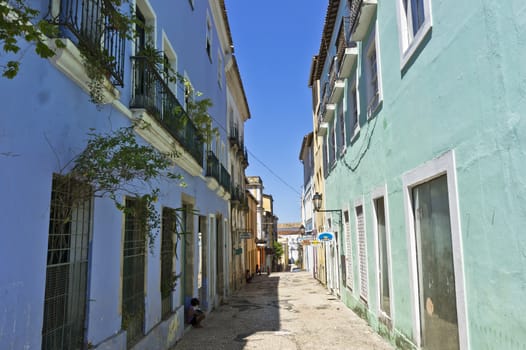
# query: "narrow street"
{"points": [[288, 310]]}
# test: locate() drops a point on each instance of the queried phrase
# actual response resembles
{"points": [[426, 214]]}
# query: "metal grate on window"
{"points": [[67, 262], [348, 251], [362, 250], [134, 256], [169, 230]]}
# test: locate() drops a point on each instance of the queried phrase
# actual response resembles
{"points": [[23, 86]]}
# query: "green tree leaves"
{"points": [[17, 22]]}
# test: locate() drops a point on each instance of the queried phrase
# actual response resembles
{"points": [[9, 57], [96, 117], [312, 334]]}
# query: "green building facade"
{"points": [[418, 113]]}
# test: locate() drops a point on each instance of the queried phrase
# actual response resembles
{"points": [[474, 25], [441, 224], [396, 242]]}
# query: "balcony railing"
{"points": [[234, 194], [234, 134], [88, 24], [333, 75], [239, 197], [212, 166], [361, 13], [323, 104], [151, 92], [225, 179], [354, 13], [245, 159]]}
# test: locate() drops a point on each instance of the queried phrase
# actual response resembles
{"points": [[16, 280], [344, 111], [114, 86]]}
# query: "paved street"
{"points": [[282, 311]]}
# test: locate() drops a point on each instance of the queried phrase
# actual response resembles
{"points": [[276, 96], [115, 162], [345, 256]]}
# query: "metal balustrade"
{"points": [[234, 134], [212, 166], [88, 24], [224, 180], [151, 92], [354, 14]]}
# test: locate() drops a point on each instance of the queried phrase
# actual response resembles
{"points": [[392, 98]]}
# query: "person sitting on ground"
{"points": [[195, 314], [248, 276]]}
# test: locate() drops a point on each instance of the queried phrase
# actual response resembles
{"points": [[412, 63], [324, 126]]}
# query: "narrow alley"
{"points": [[288, 310]]}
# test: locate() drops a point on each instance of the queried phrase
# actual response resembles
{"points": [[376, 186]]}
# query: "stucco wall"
{"points": [[44, 123], [464, 91]]}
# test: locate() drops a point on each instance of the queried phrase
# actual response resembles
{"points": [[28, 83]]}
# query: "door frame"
{"points": [[445, 164], [376, 194]]}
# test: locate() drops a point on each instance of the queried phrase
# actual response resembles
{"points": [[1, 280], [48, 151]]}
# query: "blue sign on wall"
{"points": [[325, 236]]}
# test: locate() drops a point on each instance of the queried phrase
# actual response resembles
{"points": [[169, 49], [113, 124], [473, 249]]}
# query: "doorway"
{"points": [[436, 255], [435, 267]]}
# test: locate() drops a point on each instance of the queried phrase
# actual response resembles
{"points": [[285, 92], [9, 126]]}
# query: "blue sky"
{"points": [[274, 42]]}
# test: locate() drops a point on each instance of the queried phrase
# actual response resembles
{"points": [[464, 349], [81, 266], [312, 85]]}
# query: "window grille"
{"points": [[362, 256], [169, 230], [67, 265], [133, 270], [348, 251]]}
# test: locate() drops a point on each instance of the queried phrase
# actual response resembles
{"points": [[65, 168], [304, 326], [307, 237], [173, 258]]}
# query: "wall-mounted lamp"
{"points": [[317, 200]]}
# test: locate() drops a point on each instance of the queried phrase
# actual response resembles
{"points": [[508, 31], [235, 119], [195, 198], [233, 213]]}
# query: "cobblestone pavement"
{"points": [[288, 310]]}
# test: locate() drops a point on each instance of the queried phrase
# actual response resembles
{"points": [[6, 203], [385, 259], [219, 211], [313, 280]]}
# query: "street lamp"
{"points": [[317, 200]]}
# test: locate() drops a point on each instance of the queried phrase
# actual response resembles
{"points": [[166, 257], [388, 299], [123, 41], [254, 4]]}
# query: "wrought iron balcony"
{"points": [[234, 135], [234, 194], [361, 14], [245, 158], [242, 154], [239, 197], [212, 166], [225, 179], [88, 23], [151, 92], [336, 85], [325, 111], [347, 50]]}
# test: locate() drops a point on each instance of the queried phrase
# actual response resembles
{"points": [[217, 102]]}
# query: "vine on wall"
{"points": [[112, 163]]}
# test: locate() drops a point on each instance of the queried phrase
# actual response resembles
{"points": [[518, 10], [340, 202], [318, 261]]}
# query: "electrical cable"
{"points": [[261, 162]]}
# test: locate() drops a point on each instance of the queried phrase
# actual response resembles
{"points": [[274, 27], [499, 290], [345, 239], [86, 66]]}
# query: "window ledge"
{"points": [[212, 183], [69, 61]]}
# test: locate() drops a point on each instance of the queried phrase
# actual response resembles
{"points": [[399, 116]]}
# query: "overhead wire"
{"points": [[262, 163]]}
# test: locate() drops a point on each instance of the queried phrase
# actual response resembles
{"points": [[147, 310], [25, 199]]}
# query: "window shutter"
{"points": [[348, 252], [362, 248]]}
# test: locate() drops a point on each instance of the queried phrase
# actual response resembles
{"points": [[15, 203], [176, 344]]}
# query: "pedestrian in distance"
{"points": [[258, 271]]}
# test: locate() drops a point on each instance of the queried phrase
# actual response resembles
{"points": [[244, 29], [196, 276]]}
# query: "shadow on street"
{"points": [[286, 310], [255, 308]]}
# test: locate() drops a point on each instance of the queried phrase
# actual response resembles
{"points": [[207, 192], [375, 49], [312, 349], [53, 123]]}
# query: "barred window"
{"points": [[134, 256], [169, 230], [67, 265], [362, 253]]}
